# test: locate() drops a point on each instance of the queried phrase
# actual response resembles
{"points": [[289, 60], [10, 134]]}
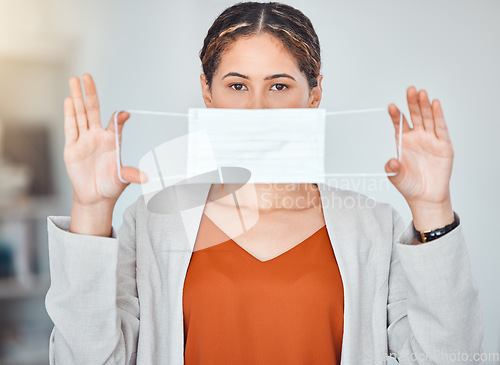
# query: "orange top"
{"points": [[286, 310]]}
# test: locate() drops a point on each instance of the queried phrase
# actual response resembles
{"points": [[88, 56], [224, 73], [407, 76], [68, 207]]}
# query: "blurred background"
{"points": [[144, 55]]}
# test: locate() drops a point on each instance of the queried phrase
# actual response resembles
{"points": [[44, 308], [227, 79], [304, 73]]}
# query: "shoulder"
{"points": [[161, 202], [352, 210]]}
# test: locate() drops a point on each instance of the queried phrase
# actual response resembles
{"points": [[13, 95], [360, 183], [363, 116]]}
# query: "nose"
{"points": [[257, 101]]}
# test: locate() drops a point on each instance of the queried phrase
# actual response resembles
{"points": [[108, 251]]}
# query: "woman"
{"points": [[310, 283]]}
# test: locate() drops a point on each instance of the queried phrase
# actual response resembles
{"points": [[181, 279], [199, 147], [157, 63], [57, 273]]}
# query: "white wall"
{"points": [[144, 55]]}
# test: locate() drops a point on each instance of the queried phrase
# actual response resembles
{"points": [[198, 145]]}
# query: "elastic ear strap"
{"points": [[117, 144], [400, 142], [117, 139], [356, 111], [144, 112]]}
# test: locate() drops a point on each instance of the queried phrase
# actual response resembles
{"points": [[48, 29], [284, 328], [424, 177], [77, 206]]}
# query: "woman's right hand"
{"points": [[90, 150]]}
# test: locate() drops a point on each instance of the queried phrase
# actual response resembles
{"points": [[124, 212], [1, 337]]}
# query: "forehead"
{"points": [[258, 54]]}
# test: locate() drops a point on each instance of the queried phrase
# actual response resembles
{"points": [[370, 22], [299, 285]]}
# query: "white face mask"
{"points": [[274, 145], [244, 145]]}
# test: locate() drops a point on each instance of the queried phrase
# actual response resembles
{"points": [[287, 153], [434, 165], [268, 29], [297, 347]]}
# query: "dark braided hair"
{"points": [[284, 22]]}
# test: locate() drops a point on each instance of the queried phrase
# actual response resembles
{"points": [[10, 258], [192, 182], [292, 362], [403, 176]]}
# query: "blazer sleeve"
{"points": [[92, 299], [433, 312]]}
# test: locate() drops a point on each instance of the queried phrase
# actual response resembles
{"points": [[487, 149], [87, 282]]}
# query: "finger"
{"points": [[121, 118], [425, 108], [131, 174], [91, 102], [76, 94], [396, 117], [441, 127], [414, 107], [70, 127]]}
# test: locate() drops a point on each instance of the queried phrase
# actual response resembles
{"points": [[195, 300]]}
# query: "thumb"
{"points": [[392, 165], [131, 174]]}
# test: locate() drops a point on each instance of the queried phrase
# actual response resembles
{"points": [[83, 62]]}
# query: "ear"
{"points": [[205, 91], [316, 94]]}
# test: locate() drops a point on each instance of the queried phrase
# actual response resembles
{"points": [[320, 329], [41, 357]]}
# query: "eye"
{"points": [[279, 87], [238, 87]]}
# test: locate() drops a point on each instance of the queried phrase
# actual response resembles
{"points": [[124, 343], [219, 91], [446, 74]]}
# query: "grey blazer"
{"points": [[118, 299]]}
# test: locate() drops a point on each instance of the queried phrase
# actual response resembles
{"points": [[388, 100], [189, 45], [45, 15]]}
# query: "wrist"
{"points": [[429, 216], [430, 235], [99, 206], [93, 219]]}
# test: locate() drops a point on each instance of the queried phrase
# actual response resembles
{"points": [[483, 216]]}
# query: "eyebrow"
{"points": [[270, 77]]}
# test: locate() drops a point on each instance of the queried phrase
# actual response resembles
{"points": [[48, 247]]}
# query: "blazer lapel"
{"points": [[357, 240], [335, 220]]}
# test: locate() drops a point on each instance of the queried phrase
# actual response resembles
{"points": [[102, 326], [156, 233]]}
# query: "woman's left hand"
{"points": [[423, 175]]}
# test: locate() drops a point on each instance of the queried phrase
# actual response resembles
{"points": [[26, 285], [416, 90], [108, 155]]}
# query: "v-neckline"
{"points": [[230, 240]]}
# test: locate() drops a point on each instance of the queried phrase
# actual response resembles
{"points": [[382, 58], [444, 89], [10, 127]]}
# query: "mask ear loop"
{"points": [[117, 138], [118, 151], [143, 112], [400, 142]]}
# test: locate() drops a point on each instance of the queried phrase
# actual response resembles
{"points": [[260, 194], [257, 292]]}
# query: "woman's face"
{"points": [[258, 72]]}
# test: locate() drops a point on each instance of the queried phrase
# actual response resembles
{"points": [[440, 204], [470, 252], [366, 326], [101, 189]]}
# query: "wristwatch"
{"points": [[432, 234]]}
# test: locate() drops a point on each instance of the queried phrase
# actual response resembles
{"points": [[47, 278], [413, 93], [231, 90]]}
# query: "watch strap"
{"points": [[432, 234]]}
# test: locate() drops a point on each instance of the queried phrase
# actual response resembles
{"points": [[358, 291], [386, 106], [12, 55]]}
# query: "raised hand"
{"points": [[90, 151], [424, 173]]}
